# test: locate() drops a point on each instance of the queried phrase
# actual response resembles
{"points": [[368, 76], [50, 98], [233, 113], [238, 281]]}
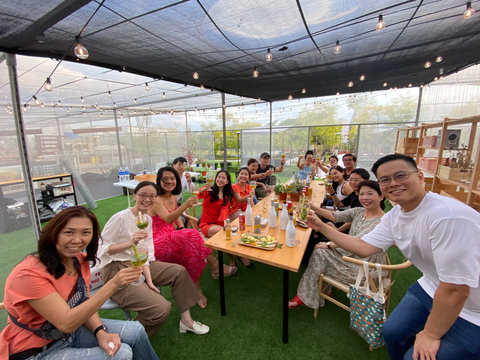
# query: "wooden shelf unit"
{"points": [[469, 193]]}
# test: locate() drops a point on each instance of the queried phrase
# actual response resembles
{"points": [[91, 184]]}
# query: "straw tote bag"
{"points": [[367, 309]]}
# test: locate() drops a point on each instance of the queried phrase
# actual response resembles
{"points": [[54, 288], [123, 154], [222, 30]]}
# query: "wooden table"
{"points": [[288, 259]]}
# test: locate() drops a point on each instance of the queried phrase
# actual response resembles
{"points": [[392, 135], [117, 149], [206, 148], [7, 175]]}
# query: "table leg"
{"points": [[222, 284], [285, 305], [128, 197]]}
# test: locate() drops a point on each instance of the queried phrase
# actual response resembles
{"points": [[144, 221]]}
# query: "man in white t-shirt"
{"points": [[439, 317]]}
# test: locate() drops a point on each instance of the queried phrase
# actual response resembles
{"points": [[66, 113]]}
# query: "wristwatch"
{"points": [[101, 327], [328, 244]]}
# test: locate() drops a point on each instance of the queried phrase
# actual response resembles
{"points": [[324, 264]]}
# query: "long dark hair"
{"points": [[178, 188], [47, 245], [143, 184], [227, 189], [372, 185], [340, 169]]}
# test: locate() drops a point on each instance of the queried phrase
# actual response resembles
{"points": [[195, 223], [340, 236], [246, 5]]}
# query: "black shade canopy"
{"points": [[223, 40]]}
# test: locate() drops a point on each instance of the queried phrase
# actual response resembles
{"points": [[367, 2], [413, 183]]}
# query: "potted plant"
{"points": [[295, 189], [201, 179], [281, 192]]}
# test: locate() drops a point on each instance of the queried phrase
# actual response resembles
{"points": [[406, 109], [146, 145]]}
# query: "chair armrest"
{"points": [[401, 266], [2, 306], [190, 217]]}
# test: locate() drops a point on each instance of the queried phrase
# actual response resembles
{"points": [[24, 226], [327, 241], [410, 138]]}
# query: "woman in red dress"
{"points": [[242, 187], [178, 245], [217, 200]]}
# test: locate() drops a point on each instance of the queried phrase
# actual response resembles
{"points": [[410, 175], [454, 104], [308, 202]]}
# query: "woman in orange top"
{"points": [[217, 200], [47, 299]]}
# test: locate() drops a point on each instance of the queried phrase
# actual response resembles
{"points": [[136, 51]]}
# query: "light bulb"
{"points": [[48, 85], [439, 59], [304, 91], [469, 12], [195, 75], [135, 100], [362, 77], [255, 72], [109, 94], [338, 48], [36, 100], [259, 99], [164, 96], [290, 97], [380, 25], [114, 105], [427, 64], [147, 87], [80, 51], [202, 87], [243, 106], [385, 84], [409, 85], [269, 55], [350, 83], [435, 78], [81, 98], [42, 105]]}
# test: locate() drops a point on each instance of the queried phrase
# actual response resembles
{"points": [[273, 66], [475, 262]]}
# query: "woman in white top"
{"points": [[119, 234], [339, 176]]}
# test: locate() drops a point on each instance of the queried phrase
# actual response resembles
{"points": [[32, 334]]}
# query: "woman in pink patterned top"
{"points": [[177, 244]]}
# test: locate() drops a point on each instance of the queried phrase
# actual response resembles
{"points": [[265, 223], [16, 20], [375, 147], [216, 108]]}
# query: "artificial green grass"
{"points": [[252, 328]]}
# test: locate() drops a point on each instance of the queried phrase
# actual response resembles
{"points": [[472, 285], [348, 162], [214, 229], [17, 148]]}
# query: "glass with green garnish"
{"points": [[138, 258]]}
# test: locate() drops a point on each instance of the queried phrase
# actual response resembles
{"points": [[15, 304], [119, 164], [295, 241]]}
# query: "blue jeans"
{"points": [[83, 345], [460, 342], [255, 200]]}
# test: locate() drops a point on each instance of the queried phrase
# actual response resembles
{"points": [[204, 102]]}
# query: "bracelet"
{"points": [[183, 227]]}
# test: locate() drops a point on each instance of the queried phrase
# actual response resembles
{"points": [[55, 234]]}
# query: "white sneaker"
{"points": [[198, 328]]}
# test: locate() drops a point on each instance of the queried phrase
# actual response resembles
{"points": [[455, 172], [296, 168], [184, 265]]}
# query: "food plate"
{"points": [[264, 242], [301, 224]]}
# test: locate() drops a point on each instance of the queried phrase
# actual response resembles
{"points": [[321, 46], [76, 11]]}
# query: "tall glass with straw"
{"points": [[139, 253]]}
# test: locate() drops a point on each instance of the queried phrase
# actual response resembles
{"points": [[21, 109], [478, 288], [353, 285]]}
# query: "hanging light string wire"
{"points": [[69, 48]]}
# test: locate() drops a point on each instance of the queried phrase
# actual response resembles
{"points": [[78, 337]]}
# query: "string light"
{"points": [[164, 95], [243, 106], [338, 48], [80, 51], [147, 87], [202, 87], [269, 55], [362, 77], [385, 84], [135, 100], [195, 75], [81, 98], [439, 59], [409, 85], [255, 72], [304, 91], [290, 97], [380, 25], [469, 12], [427, 64], [48, 85], [109, 94], [435, 78], [36, 100], [350, 83]]}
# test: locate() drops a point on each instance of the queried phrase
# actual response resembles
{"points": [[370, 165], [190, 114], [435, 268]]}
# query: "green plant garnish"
{"points": [[136, 252]]}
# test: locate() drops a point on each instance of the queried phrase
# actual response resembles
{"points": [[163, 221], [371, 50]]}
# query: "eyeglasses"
{"points": [[354, 180], [399, 176], [143, 197], [347, 159]]}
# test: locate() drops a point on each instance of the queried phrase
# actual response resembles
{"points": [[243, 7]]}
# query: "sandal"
{"points": [[251, 265], [203, 301], [297, 301], [226, 272]]}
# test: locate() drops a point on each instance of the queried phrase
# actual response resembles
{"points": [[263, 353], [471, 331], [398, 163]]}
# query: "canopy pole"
{"points": [[419, 106], [308, 140], [133, 147], [166, 144], [357, 145], [11, 61], [186, 129], [270, 146], [224, 125], [118, 138], [148, 144]]}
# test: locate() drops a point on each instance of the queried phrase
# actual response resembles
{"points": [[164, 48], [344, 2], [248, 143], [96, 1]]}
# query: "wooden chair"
{"points": [[192, 221], [324, 282], [2, 306]]}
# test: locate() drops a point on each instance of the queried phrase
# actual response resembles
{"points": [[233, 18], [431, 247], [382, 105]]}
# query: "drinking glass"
{"points": [[253, 184], [138, 258], [210, 178], [304, 212], [264, 203]]}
